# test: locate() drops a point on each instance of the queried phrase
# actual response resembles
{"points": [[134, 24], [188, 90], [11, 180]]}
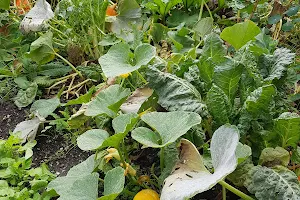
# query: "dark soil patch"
{"points": [[10, 116], [57, 154], [215, 194]]}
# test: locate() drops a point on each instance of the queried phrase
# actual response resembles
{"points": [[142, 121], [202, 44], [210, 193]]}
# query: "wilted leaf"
{"points": [[35, 19], [120, 60], [135, 101], [239, 34], [190, 176], [175, 124], [28, 129]]}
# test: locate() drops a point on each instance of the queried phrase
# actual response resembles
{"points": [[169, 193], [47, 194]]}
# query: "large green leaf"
{"points": [[4, 4], [239, 34], [114, 181], [41, 50], [129, 9], [81, 183], [98, 138], [92, 139], [259, 100], [287, 127], [219, 105], [227, 78], [174, 93], [108, 101], [204, 26], [45, 107], [120, 60], [276, 183], [190, 176], [213, 48], [27, 96], [124, 122], [274, 66], [168, 125]]}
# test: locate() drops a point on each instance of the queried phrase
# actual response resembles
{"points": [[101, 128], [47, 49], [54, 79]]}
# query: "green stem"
{"points": [[201, 10], [141, 77], [162, 158], [224, 192], [208, 9], [70, 64], [235, 191]]}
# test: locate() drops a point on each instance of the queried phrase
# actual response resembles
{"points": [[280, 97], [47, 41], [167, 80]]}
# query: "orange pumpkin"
{"points": [[23, 5], [111, 10]]}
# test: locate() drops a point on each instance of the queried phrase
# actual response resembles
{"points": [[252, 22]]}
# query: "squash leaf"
{"points": [[120, 60], [190, 176], [80, 183], [108, 101], [41, 50], [175, 124], [239, 34]]}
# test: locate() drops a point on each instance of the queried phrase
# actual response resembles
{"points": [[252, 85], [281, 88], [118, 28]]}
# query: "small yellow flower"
{"points": [[112, 153], [129, 169], [125, 75]]}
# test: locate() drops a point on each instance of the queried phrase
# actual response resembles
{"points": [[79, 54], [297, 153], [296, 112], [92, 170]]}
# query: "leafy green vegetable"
{"points": [[239, 34], [174, 93], [27, 96], [227, 78], [83, 98], [287, 128], [243, 152], [219, 105], [120, 60], [108, 101], [18, 179], [271, 157], [276, 183], [161, 6], [273, 66], [45, 107]]}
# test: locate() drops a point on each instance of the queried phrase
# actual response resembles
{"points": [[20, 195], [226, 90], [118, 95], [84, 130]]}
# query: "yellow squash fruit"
{"points": [[146, 194]]}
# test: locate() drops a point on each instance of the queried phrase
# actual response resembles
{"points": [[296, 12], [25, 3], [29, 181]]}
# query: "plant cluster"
{"points": [[208, 87]]}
